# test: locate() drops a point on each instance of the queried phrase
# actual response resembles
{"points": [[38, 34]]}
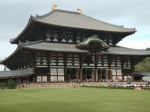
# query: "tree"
{"points": [[143, 66], [147, 49], [3, 85], [11, 84]]}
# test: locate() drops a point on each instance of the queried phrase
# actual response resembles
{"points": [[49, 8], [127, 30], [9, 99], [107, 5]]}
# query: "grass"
{"points": [[74, 100]]}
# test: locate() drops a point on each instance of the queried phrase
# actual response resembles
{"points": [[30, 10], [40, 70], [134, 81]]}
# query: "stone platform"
{"points": [[70, 85]]}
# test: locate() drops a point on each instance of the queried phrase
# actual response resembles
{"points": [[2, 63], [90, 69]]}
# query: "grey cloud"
{"points": [[130, 13]]}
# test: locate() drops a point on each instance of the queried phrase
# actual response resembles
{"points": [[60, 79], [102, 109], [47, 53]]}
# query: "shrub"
{"points": [[11, 84], [3, 85]]}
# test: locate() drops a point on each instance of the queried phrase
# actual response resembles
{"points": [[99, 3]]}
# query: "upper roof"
{"points": [[69, 19], [75, 20]]}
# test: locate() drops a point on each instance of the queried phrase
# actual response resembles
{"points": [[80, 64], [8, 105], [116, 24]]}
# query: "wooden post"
{"points": [[48, 75], [106, 74], [93, 77], [70, 74], [48, 67], [86, 75], [65, 74], [96, 74], [65, 64], [81, 74], [77, 74], [101, 74], [122, 76], [110, 73], [132, 75]]}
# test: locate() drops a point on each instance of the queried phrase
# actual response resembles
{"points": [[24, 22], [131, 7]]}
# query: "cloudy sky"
{"points": [[14, 15]]}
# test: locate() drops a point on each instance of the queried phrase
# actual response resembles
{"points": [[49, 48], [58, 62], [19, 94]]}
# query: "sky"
{"points": [[14, 16]]}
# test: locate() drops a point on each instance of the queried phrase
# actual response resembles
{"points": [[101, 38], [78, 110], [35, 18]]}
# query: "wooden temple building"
{"points": [[63, 45]]}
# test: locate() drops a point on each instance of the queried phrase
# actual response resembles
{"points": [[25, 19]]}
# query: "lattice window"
{"points": [[39, 79], [57, 74]]}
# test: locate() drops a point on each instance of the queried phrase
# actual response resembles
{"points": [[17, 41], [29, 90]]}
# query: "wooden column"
{"points": [[109, 65], [70, 74], [81, 79], [65, 74], [93, 75], [106, 74], [34, 59], [77, 74], [65, 64], [110, 73], [132, 75], [96, 74], [48, 75], [122, 64], [82, 57], [86, 75], [101, 74], [122, 76], [116, 78], [48, 67]]}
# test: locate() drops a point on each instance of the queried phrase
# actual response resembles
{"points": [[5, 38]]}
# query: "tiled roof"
{"points": [[76, 20], [16, 73], [146, 73], [63, 47], [57, 47], [70, 19], [127, 51], [142, 73]]}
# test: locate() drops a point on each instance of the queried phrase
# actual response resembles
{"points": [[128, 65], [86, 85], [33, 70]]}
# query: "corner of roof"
{"points": [[2, 61], [12, 41], [41, 16]]}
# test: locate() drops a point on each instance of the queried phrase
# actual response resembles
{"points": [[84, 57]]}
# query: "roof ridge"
{"points": [[72, 12], [49, 13]]}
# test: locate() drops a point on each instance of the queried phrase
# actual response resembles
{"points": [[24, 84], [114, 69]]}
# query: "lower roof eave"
{"points": [[15, 76], [57, 50], [128, 54]]}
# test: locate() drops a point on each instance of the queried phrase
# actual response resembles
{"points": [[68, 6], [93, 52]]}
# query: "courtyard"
{"points": [[74, 100]]}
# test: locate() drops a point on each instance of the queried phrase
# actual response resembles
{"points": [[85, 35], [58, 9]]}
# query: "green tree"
{"points": [[3, 85], [143, 66], [148, 49], [11, 84]]}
